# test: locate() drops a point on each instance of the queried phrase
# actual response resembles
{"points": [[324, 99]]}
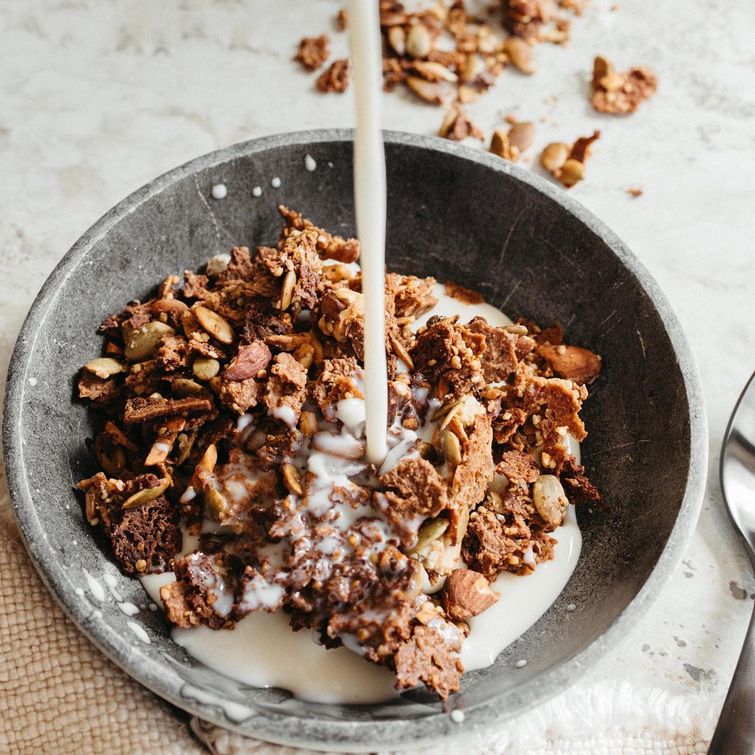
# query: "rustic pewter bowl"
{"points": [[453, 213]]}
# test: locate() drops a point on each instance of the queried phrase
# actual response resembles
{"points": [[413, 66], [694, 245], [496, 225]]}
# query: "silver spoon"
{"points": [[735, 732]]}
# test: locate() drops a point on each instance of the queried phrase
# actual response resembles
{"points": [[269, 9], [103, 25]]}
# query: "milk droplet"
{"points": [[521, 664], [32, 381], [457, 716], [128, 608], [309, 163], [257, 191], [571, 607], [138, 631], [275, 183], [95, 587], [219, 191]]}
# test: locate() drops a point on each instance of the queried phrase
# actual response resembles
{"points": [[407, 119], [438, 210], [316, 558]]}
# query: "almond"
{"points": [[249, 361], [467, 593], [572, 362]]}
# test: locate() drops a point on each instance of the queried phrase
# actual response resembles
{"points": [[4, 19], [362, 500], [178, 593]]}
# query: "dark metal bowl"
{"points": [[453, 213]]}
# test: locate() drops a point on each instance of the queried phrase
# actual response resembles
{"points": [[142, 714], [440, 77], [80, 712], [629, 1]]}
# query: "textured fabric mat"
{"points": [[59, 694]]}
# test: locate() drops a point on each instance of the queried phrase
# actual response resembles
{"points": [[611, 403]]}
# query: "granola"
{"points": [[620, 93], [232, 402]]}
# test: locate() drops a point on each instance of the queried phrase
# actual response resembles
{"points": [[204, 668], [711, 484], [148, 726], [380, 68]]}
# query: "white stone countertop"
{"points": [[97, 98]]}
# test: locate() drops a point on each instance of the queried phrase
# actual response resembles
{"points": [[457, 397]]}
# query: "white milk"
{"points": [[369, 197]]}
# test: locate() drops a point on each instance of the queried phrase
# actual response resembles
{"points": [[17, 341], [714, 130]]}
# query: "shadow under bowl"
{"points": [[453, 213]]}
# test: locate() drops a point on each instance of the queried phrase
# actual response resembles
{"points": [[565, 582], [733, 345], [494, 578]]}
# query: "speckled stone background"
{"points": [[97, 98]]}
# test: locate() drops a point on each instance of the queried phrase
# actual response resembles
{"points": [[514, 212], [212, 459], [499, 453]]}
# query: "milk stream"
{"points": [[262, 651], [369, 198]]}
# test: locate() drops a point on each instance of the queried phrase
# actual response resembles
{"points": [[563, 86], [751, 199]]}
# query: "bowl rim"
{"points": [[347, 735]]}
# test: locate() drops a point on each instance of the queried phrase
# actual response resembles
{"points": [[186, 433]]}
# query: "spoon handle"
{"points": [[735, 731]]}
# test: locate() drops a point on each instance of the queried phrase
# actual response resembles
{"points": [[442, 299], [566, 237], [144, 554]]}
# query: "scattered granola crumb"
{"points": [[457, 126], [313, 51], [567, 163], [635, 192], [620, 93], [335, 78], [342, 19]]}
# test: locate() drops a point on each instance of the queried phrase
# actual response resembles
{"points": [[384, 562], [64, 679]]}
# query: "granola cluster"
{"points": [[446, 55], [232, 409]]}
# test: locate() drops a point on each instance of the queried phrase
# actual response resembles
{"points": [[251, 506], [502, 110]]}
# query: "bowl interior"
{"points": [[476, 221]]}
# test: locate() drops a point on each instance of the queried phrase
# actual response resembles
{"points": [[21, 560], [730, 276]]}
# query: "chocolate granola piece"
{"points": [[457, 126], [286, 389], [576, 485], [429, 658], [335, 78], [499, 359], [250, 359], [209, 591], [195, 285], [518, 467], [620, 93], [313, 51], [414, 492], [470, 478], [147, 537], [146, 409], [507, 423], [338, 380], [329, 246], [100, 391], [172, 353], [462, 294], [513, 540], [412, 296], [343, 319], [572, 362], [561, 401], [262, 320], [240, 395], [178, 611], [448, 355]]}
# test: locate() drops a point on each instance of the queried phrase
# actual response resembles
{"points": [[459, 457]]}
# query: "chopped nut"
{"points": [[466, 594], [457, 126], [572, 362], [550, 500], [620, 93], [313, 51], [429, 91], [520, 54], [335, 78]]}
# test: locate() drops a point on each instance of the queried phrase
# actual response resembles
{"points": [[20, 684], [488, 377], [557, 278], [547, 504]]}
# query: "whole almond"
{"points": [[521, 135], [249, 361], [467, 593], [418, 42], [520, 54]]}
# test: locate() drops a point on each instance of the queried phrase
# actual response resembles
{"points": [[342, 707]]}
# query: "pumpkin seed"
{"points": [[183, 387], [397, 39], [185, 442], [141, 342], [433, 71], [291, 479], [429, 91], [520, 54], [451, 447], [287, 290], [521, 135], [571, 173], [430, 531], [104, 367], [418, 42], [554, 156], [516, 330], [401, 352], [204, 368], [218, 327], [308, 423], [550, 499], [145, 495], [216, 501]]}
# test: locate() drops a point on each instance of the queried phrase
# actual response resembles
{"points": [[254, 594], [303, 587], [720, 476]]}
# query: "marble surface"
{"points": [[96, 98]]}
